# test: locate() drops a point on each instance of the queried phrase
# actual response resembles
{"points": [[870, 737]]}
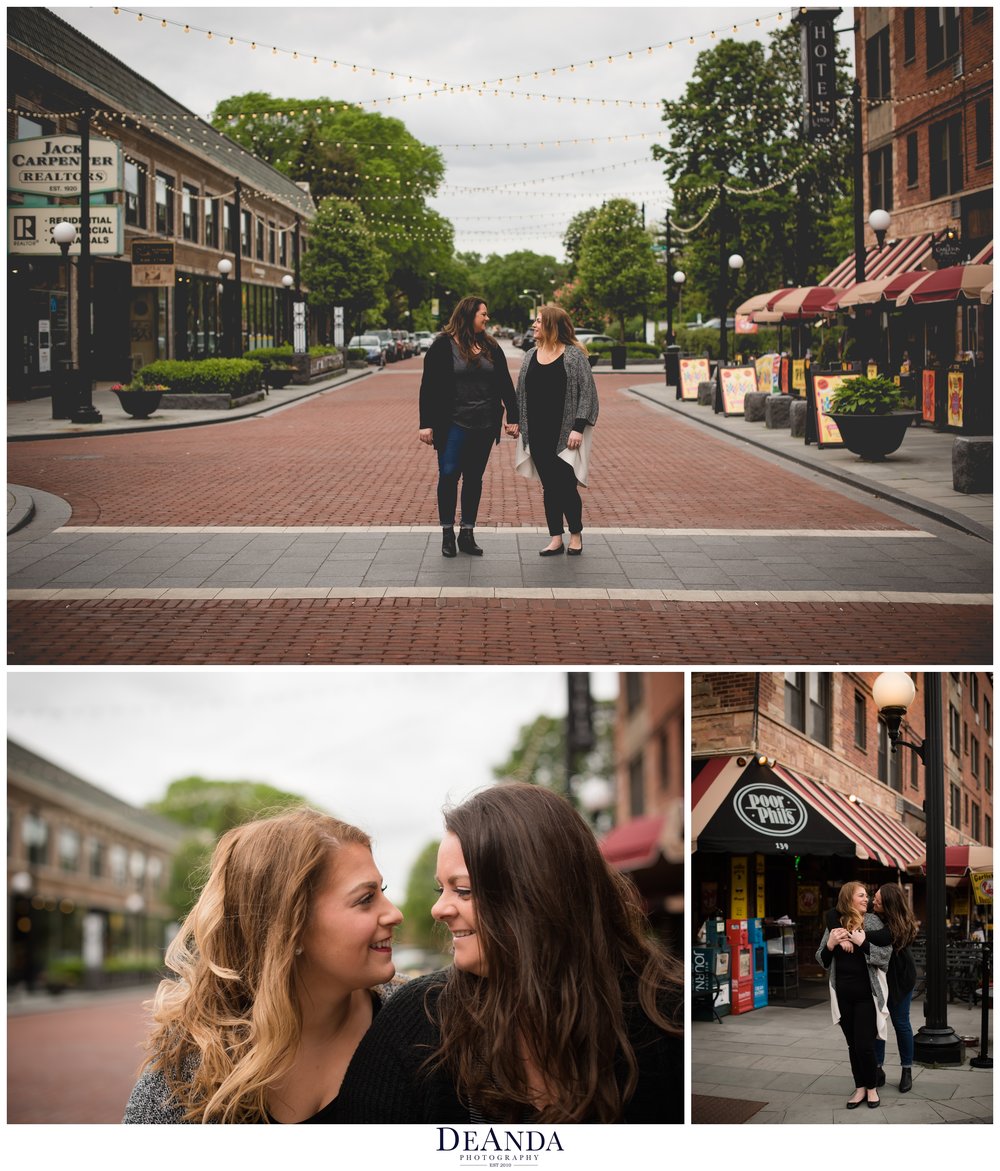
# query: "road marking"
{"points": [[229, 593], [391, 530]]}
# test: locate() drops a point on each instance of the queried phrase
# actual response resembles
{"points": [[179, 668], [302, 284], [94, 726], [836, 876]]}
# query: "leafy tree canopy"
{"points": [[217, 806], [617, 269], [503, 279], [345, 265], [739, 119], [418, 926]]}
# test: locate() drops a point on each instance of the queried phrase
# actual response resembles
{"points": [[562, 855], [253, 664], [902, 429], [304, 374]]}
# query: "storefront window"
{"points": [[189, 213]]}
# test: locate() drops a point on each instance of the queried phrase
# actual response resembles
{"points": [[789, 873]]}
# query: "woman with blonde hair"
{"points": [[560, 1005], [858, 990], [901, 977], [464, 392], [557, 402], [281, 967]]}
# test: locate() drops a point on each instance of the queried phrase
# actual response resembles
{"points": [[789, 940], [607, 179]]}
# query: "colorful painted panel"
{"points": [[693, 371]]}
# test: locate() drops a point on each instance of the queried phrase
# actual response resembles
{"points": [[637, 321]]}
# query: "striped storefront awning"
{"points": [[741, 806], [909, 255]]}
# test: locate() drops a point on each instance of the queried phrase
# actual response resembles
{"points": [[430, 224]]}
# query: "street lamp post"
{"points": [[935, 1043], [288, 281], [672, 362], [735, 262], [225, 267], [535, 296]]}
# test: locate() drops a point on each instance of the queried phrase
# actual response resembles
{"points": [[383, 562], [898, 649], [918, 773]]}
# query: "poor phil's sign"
{"points": [[51, 165]]}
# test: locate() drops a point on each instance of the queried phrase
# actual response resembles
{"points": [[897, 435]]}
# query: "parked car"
{"points": [[527, 341], [402, 340], [424, 338], [374, 354], [387, 342], [597, 339]]}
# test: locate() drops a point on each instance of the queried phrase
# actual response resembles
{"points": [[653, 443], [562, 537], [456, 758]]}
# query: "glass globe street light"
{"points": [[878, 221], [935, 1043]]}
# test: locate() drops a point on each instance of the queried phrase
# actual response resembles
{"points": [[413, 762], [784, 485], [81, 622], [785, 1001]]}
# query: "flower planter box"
{"points": [[208, 402], [873, 437]]}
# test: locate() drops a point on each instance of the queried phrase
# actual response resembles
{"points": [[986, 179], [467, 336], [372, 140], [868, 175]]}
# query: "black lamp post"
{"points": [[288, 281], [735, 262], [672, 362], [935, 1043], [73, 400], [225, 267]]}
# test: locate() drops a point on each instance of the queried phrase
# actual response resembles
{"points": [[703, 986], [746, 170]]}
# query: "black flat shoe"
{"points": [[448, 543], [874, 1105], [906, 1081], [467, 543], [571, 552], [552, 552], [855, 1105]]}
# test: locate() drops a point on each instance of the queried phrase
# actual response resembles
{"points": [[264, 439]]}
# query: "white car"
{"points": [[424, 338]]}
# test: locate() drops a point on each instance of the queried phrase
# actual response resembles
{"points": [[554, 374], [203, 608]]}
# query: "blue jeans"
{"points": [[464, 456], [900, 1017]]}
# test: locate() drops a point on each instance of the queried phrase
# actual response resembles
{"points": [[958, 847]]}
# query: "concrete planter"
{"points": [[208, 402], [307, 367]]}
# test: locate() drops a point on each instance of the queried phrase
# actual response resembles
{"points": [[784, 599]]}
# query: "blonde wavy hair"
{"points": [[849, 916], [557, 329], [228, 1026]]}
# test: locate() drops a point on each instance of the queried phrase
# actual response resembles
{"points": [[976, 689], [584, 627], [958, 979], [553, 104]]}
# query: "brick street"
{"points": [[309, 535]]}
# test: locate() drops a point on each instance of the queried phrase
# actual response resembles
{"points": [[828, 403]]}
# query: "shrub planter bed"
{"points": [[309, 366], [208, 402]]}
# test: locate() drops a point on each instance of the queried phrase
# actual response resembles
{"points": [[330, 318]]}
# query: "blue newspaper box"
{"points": [[758, 949]]}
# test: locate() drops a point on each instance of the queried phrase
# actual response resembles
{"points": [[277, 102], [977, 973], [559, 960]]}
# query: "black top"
{"points": [[545, 384], [851, 967], [438, 389], [901, 975], [331, 1111], [385, 1082], [473, 391]]}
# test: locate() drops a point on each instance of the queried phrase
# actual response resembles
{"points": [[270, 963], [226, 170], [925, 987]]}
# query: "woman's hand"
{"points": [[513, 429], [574, 441], [427, 435], [857, 937]]}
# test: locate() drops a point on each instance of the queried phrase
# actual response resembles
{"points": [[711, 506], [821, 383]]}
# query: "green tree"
{"points": [[503, 280], [739, 121], [418, 926], [188, 873], [345, 266], [617, 269], [573, 237]]}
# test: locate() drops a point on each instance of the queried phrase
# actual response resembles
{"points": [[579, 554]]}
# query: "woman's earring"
{"points": [[298, 951]]}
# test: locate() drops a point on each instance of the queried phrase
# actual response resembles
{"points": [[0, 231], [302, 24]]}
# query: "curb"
{"points": [[946, 516], [224, 416], [20, 509]]}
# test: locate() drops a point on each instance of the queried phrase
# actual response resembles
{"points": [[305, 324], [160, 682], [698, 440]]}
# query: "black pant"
{"points": [[465, 453], [560, 495], [857, 1019]]}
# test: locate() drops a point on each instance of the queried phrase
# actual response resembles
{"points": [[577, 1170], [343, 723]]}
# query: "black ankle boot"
{"points": [[448, 543], [906, 1080], [467, 543]]}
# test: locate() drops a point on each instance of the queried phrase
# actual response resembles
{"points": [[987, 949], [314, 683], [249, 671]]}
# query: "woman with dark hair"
{"points": [[464, 392], [556, 392], [858, 993], [899, 932], [560, 1006], [282, 964]]}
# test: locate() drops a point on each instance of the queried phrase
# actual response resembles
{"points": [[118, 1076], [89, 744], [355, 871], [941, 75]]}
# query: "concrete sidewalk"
{"points": [[794, 1061], [917, 476]]}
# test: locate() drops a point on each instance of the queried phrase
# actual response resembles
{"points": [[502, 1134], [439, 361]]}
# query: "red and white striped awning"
{"points": [[984, 255], [870, 833], [898, 256]]}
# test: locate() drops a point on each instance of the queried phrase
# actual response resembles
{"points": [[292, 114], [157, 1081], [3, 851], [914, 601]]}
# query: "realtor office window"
{"points": [[880, 178], [807, 703], [135, 195], [164, 204], [189, 212], [877, 66], [942, 35]]}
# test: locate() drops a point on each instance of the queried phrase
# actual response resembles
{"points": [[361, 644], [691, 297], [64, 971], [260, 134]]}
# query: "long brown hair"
{"points": [[233, 1012], [849, 916], [557, 328], [461, 327], [898, 917], [567, 953]]}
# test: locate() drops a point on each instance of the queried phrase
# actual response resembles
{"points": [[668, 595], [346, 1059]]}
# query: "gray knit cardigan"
{"points": [[150, 1101], [581, 395], [878, 964]]}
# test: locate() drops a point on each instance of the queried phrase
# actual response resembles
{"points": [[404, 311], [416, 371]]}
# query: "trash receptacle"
{"points": [[618, 357], [672, 366]]}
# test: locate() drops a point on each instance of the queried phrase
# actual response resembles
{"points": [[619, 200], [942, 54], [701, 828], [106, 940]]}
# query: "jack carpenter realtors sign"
{"points": [[51, 165], [819, 69]]}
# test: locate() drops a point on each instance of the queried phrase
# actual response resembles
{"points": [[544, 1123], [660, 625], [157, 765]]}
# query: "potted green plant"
{"points": [[869, 415], [139, 399]]}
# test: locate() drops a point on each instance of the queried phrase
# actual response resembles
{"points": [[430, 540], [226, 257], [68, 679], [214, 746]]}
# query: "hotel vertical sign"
{"points": [[819, 69]]}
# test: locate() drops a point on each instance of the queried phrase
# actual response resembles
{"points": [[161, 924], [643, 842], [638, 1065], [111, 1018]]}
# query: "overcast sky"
{"points": [[458, 45], [383, 749]]}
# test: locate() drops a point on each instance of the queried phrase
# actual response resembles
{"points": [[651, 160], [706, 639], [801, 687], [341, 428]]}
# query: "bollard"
{"points": [[984, 1061], [798, 410]]}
